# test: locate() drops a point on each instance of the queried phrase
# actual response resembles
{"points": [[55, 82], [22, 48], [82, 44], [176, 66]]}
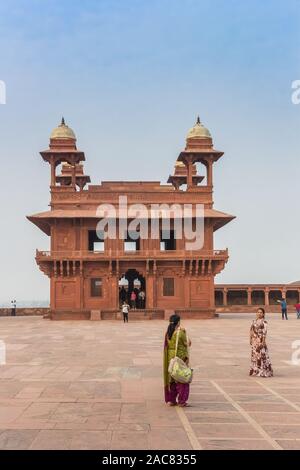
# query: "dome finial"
{"points": [[198, 119], [63, 121]]}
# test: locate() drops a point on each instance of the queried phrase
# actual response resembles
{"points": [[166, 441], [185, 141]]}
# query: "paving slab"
{"points": [[98, 385]]}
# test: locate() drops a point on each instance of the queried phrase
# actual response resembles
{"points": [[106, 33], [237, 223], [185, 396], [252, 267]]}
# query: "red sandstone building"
{"points": [[88, 275]]}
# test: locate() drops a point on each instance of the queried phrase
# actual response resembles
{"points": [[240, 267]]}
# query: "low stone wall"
{"points": [[70, 315], [25, 312], [147, 314], [195, 313], [143, 314], [252, 308]]}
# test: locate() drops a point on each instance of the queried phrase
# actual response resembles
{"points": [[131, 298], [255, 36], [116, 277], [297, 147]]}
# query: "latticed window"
{"points": [[168, 287], [96, 287]]}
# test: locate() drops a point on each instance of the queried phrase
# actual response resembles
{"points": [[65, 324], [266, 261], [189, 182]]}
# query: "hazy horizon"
{"points": [[130, 77]]}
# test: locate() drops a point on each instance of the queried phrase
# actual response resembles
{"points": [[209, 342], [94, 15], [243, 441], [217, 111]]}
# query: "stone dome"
{"points": [[62, 132], [179, 164], [198, 131]]}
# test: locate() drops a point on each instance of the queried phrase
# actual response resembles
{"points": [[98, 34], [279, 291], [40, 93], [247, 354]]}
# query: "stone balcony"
{"points": [[69, 262], [107, 255]]}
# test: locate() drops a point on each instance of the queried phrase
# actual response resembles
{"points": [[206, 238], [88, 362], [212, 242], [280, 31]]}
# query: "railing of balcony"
{"points": [[142, 254]]}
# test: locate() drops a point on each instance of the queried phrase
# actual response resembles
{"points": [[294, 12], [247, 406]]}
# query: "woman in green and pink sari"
{"points": [[175, 393]]}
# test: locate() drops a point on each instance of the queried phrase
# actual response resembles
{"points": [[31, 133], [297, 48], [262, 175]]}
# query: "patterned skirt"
{"points": [[260, 362]]}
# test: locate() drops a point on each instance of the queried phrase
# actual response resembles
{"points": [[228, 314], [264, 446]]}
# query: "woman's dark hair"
{"points": [[174, 320]]}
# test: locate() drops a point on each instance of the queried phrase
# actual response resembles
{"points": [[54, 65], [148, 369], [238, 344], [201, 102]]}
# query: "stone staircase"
{"points": [[147, 314]]}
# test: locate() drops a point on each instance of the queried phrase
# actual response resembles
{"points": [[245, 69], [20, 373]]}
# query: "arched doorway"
{"points": [[132, 281]]}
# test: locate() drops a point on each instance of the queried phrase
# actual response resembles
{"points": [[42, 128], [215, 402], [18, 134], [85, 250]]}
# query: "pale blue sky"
{"points": [[130, 77]]}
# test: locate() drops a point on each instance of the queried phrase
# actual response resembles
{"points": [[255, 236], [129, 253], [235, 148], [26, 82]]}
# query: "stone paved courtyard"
{"points": [[98, 385]]}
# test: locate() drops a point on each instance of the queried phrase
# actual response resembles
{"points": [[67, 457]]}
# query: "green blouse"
{"points": [[182, 352]]}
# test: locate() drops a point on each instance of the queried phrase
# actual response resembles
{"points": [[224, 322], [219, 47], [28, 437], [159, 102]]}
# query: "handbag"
{"points": [[178, 369]]}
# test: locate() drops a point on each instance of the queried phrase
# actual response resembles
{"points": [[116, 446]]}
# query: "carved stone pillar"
{"points": [[209, 173], [150, 291], [225, 291], [189, 175], [187, 297], [81, 288], [114, 292], [249, 300], [267, 302], [283, 293], [53, 175]]}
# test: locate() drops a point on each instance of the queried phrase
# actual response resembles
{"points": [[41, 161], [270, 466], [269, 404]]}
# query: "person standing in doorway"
{"points": [[133, 300], [142, 296], [283, 308], [125, 310]]}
